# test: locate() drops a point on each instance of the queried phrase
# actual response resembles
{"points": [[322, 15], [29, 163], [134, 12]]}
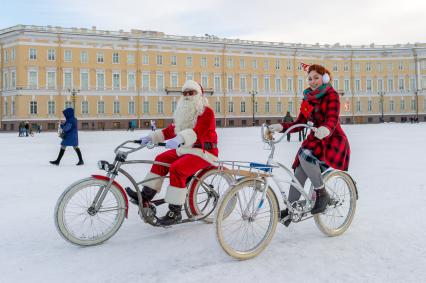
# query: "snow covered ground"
{"points": [[386, 242]]}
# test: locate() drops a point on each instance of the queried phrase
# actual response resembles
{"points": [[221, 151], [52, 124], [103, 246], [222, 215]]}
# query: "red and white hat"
{"points": [[192, 85], [304, 66]]}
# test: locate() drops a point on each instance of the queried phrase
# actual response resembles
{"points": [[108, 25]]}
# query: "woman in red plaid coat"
{"points": [[327, 145]]}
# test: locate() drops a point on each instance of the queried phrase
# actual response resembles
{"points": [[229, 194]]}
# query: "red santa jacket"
{"points": [[334, 149], [195, 139]]}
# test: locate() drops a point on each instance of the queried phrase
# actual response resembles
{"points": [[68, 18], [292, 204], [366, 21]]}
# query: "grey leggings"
{"points": [[303, 171]]}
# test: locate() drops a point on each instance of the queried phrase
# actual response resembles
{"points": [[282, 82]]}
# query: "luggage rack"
{"points": [[246, 168]]}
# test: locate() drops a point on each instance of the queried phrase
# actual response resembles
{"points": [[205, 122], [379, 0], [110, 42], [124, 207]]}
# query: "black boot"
{"points": [[173, 216], [321, 200], [283, 214], [147, 195], [80, 158], [61, 153]]}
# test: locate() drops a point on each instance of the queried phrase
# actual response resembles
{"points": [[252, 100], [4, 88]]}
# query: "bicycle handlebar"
{"points": [[263, 133], [130, 149]]}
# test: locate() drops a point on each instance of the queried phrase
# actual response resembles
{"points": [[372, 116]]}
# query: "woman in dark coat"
{"points": [[69, 136], [326, 146]]}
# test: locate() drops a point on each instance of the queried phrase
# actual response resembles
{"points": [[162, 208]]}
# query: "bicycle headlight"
{"points": [[103, 165]]}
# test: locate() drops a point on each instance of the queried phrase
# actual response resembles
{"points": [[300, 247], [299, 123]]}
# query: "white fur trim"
{"points": [[175, 195], [189, 136], [192, 85], [207, 156], [157, 136], [155, 184]]}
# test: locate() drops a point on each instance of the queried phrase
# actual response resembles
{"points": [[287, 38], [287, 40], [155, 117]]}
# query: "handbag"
{"points": [[61, 134]]}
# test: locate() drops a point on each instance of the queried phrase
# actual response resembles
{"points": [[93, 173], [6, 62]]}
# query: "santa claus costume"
{"points": [[192, 140]]}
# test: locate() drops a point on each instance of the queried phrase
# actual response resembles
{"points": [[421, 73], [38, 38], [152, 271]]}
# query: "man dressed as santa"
{"points": [[192, 141]]}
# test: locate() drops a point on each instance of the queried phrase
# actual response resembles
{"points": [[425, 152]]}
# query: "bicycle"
{"points": [[245, 229], [92, 210]]}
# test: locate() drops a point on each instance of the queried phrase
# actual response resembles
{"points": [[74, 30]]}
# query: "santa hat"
{"points": [[304, 66], [192, 85]]}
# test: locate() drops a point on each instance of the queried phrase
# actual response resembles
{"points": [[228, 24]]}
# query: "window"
{"points": [[160, 81], [368, 67], [255, 84], [336, 84], [243, 107], [243, 84], [230, 106], [116, 107], [100, 81], [101, 107], [335, 67], [159, 60], [33, 54], [266, 64], [160, 107], [368, 87], [380, 85], [358, 106], [289, 65], [33, 79], [174, 79], [189, 76], [174, 104], [13, 79], [346, 67], [217, 83], [290, 84], [390, 84], [173, 60], [401, 84], [67, 80], [266, 83], [146, 107], [254, 64], [357, 85], [33, 107], [413, 105], [13, 54], [277, 85], [84, 57], [390, 67], [379, 67], [412, 83], [217, 61], [116, 81], [130, 59], [12, 108], [401, 66], [369, 106], [51, 54], [85, 107], [277, 64], [51, 79], [84, 80], [356, 67], [230, 84], [217, 106], [346, 85], [203, 62], [131, 81], [100, 57], [391, 105], [402, 105], [204, 80], [279, 107], [51, 107], [145, 81], [229, 63], [131, 108], [242, 63], [115, 58], [290, 106], [67, 56], [188, 61], [68, 104], [145, 59], [267, 107]]}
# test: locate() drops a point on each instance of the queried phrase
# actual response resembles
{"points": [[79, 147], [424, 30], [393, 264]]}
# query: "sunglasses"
{"points": [[188, 92]]}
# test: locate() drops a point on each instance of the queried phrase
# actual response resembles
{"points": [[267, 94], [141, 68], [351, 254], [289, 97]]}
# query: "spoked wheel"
{"points": [[338, 216], [204, 193], [78, 223], [245, 229]]}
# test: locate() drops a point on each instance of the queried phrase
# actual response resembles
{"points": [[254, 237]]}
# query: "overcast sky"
{"points": [[298, 21]]}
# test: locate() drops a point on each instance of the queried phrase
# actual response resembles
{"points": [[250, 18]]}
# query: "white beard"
{"points": [[187, 111]]}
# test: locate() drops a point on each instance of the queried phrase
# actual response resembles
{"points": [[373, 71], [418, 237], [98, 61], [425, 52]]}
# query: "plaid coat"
{"points": [[334, 149]]}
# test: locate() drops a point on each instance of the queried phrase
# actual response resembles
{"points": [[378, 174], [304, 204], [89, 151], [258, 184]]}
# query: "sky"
{"points": [[302, 21]]}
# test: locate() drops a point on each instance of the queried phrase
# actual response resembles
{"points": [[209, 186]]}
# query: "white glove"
{"points": [[174, 142], [321, 132], [144, 140], [275, 128]]}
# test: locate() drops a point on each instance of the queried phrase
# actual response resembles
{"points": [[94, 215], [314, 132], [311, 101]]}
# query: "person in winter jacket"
{"points": [[192, 144], [326, 146], [70, 138], [287, 119]]}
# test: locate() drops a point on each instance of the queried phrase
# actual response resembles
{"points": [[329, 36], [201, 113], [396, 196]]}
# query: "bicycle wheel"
{"points": [[204, 193], [338, 216], [73, 220], [251, 223]]}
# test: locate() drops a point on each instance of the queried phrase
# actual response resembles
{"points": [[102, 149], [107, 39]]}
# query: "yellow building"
{"points": [[117, 77]]}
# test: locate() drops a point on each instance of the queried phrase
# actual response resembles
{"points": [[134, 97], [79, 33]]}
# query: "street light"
{"points": [[253, 93], [381, 94], [73, 93]]}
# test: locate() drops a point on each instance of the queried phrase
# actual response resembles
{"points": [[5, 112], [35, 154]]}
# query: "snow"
{"points": [[384, 244]]}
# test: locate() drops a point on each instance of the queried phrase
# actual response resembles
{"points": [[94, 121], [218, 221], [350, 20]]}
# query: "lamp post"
{"points": [[381, 94], [73, 92], [253, 93]]}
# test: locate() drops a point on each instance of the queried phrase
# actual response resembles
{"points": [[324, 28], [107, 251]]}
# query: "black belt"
{"points": [[207, 145]]}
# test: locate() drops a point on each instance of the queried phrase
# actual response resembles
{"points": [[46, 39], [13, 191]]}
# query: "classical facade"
{"points": [[114, 79]]}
